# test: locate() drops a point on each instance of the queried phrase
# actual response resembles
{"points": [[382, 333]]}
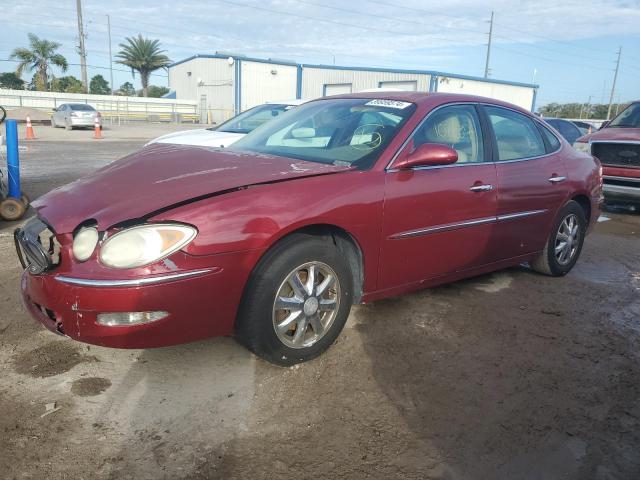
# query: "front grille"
{"points": [[37, 247], [617, 154], [622, 182]]}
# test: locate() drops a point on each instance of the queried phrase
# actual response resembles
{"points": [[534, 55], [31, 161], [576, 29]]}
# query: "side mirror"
{"points": [[428, 155]]}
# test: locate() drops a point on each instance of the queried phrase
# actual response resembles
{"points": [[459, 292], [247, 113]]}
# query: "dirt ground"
{"points": [[511, 375]]}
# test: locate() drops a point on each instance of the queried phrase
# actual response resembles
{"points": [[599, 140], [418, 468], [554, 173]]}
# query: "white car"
{"points": [[230, 131]]}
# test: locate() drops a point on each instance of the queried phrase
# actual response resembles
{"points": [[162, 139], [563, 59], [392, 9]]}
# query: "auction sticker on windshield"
{"points": [[388, 103]]}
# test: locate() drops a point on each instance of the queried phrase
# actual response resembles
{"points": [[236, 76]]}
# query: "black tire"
{"points": [[548, 262], [255, 323]]}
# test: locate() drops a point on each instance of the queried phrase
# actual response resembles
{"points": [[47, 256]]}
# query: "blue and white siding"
{"points": [[226, 84]]}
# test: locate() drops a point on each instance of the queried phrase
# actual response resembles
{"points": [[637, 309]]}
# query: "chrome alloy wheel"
{"points": [[306, 304], [567, 239]]}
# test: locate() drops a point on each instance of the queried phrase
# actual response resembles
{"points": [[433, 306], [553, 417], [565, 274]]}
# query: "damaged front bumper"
{"points": [[176, 300]]}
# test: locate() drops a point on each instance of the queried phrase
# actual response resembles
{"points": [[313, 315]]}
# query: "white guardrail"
{"points": [[115, 109]]}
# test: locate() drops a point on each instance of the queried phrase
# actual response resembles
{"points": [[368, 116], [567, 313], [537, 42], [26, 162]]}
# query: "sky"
{"points": [[568, 48]]}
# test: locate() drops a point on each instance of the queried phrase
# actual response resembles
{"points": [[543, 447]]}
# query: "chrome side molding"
{"points": [[467, 223], [134, 282]]}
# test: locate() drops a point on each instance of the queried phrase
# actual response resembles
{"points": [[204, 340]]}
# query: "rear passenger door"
{"points": [[531, 181]]}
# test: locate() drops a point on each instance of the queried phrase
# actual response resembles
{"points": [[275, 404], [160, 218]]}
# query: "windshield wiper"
{"points": [[624, 125]]}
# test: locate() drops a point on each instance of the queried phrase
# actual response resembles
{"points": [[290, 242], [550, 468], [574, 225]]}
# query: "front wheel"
{"points": [[565, 242], [297, 300]]}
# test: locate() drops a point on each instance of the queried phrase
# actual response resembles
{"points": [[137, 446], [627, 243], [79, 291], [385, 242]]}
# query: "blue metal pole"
{"points": [[13, 159]]}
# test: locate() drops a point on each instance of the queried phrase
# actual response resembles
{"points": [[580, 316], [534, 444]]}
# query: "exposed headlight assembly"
{"points": [[84, 243], [583, 147], [144, 244]]}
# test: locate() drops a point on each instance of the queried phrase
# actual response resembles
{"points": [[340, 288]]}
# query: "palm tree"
{"points": [[40, 55], [144, 56]]}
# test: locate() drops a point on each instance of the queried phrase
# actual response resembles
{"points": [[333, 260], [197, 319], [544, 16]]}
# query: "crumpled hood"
{"points": [[612, 134], [201, 137], [160, 176]]}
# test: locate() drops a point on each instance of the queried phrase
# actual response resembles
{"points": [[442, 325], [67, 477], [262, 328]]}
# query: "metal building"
{"points": [[225, 84]]}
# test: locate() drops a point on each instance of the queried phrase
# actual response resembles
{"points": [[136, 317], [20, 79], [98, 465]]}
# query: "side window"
{"points": [[458, 127], [516, 134], [554, 143]]}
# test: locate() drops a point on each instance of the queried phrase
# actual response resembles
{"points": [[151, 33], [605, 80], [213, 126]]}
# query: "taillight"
{"points": [[75, 114]]}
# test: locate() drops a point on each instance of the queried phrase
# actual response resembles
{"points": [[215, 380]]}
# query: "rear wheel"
{"points": [[565, 242], [12, 209], [297, 300]]}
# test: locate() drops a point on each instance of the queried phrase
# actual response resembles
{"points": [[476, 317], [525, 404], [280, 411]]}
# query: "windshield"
{"points": [[629, 117], [339, 131], [81, 107], [251, 119]]}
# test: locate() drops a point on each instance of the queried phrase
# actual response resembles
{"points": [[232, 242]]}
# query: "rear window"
{"points": [[552, 140], [81, 107]]}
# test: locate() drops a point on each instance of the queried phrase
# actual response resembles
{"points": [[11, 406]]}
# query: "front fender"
{"points": [[258, 216]]}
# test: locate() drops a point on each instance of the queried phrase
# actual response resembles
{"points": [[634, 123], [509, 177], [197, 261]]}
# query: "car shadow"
{"points": [[518, 382]]}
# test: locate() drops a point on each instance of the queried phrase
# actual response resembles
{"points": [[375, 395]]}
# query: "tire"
{"points": [[556, 264], [12, 209], [259, 314]]}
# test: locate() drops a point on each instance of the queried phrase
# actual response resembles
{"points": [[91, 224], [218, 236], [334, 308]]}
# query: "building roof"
{"points": [[361, 69]]}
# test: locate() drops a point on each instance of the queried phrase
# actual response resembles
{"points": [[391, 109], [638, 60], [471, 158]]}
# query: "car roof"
{"points": [[431, 98]]}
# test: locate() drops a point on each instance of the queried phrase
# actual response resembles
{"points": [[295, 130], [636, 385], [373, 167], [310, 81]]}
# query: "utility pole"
{"points": [[613, 87], [110, 57], [486, 66], [83, 52], [584, 107]]}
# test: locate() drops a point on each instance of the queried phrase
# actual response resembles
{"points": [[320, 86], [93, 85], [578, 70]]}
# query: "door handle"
{"points": [[481, 188], [557, 179]]}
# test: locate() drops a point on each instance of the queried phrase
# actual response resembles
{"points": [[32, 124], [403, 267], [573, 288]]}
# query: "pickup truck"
{"points": [[617, 146]]}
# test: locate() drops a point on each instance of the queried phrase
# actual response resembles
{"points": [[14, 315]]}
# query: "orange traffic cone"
{"points": [[97, 131], [30, 134]]}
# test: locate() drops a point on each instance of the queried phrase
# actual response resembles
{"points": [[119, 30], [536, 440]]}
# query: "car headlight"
{"points": [[144, 244], [84, 243], [583, 147]]}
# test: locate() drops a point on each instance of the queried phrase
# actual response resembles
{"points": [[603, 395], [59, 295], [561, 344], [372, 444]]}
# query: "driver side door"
{"points": [[440, 219]]}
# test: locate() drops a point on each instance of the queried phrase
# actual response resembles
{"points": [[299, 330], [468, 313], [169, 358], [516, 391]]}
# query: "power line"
{"points": [[318, 19], [90, 66]]}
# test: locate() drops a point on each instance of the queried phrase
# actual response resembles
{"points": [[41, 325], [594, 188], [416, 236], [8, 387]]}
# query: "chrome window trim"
{"points": [[136, 282], [494, 162], [466, 223], [629, 142]]}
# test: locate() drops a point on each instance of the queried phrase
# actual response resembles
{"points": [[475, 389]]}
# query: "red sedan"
{"points": [[343, 200]]}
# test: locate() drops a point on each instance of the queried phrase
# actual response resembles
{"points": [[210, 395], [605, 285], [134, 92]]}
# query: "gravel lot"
{"points": [[506, 376]]}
